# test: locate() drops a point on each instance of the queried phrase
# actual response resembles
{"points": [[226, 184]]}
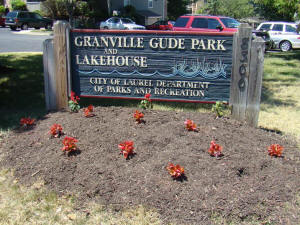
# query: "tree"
{"points": [[278, 9], [18, 5], [177, 8], [233, 8]]}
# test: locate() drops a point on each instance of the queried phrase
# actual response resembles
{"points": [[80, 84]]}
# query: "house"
{"points": [[149, 10], [195, 6]]}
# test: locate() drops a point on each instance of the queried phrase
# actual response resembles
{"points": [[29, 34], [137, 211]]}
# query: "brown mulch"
{"points": [[245, 184]]}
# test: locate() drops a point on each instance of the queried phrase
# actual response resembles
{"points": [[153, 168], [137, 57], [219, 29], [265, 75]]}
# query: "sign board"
{"points": [[172, 66]]}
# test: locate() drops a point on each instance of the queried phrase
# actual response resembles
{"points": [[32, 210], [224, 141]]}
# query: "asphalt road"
{"points": [[21, 41]]}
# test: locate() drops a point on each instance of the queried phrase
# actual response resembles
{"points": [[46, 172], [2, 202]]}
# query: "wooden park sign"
{"points": [[171, 66]]}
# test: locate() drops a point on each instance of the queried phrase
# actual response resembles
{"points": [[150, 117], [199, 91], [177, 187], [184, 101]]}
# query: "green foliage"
{"points": [[146, 104], [177, 8], [233, 8], [218, 109], [18, 5], [74, 106], [2, 9], [282, 10]]}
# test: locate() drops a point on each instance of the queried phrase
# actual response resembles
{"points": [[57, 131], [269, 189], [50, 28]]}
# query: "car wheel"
{"points": [[13, 28], [24, 26], [105, 28], [37, 28], [285, 46], [48, 26]]}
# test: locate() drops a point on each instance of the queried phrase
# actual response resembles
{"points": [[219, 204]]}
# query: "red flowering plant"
{"points": [[126, 148], [27, 122], [275, 150], [69, 144], [88, 111], [73, 103], [190, 125], [138, 116], [56, 130], [215, 149], [146, 103], [175, 171]]}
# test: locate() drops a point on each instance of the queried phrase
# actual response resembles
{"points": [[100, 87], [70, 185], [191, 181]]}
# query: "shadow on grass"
{"points": [[282, 79], [21, 88]]}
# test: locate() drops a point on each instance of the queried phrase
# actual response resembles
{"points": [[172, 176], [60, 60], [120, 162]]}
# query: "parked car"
{"points": [[284, 34], [160, 25], [205, 23], [2, 21], [118, 23], [24, 20], [269, 43]]}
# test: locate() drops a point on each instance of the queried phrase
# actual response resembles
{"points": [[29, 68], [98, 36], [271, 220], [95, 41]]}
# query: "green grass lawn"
{"points": [[280, 103], [22, 94]]}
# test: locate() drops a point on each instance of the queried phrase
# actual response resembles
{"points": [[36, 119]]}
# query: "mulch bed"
{"points": [[245, 183]]}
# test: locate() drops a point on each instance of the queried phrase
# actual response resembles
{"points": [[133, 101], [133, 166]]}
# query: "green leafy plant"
{"points": [[19, 5], [218, 109], [146, 103], [73, 103]]}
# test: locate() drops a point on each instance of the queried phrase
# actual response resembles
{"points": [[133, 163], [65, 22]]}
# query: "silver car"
{"points": [[117, 23], [284, 34]]}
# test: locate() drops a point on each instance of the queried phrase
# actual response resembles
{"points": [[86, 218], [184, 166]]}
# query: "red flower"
{"points": [[88, 110], [215, 149], [126, 148], [275, 150], [190, 125], [69, 144], [74, 98], [175, 171], [27, 122], [56, 130], [138, 116], [147, 97]]}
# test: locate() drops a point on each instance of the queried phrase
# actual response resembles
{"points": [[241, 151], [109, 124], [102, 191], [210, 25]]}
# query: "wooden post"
{"points": [[49, 75], [255, 81], [60, 58], [246, 80], [240, 71]]}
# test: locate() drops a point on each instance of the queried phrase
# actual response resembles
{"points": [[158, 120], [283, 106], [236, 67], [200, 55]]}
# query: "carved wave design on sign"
{"points": [[183, 69]]}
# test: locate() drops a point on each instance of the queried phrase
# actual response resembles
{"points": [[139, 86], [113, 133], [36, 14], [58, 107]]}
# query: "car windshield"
{"points": [[230, 23], [126, 20], [11, 14]]}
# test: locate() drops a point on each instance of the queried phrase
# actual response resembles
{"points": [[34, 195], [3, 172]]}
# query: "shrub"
{"points": [[18, 5]]}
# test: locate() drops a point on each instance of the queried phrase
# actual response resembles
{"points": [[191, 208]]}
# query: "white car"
{"points": [[284, 34], [117, 23]]}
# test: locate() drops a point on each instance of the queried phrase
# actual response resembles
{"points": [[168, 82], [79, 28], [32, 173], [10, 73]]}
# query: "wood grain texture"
{"points": [[255, 81], [60, 55], [49, 74], [240, 74]]}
